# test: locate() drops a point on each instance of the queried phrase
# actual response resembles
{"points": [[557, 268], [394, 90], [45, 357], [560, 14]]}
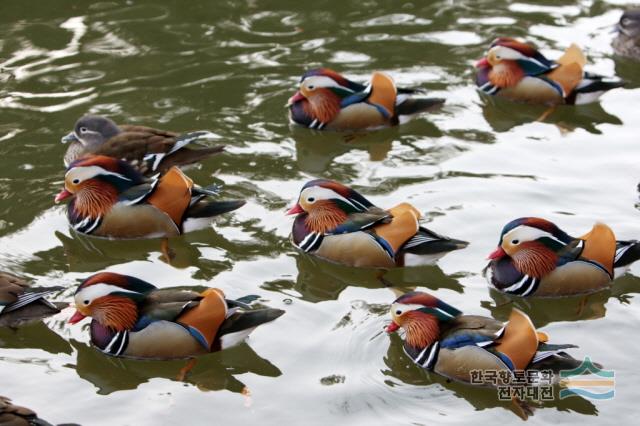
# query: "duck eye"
{"points": [[76, 181], [398, 312], [83, 129], [311, 199], [515, 242], [311, 87], [86, 302]]}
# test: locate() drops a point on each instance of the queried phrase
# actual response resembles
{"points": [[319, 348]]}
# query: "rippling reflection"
{"points": [[210, 373]]}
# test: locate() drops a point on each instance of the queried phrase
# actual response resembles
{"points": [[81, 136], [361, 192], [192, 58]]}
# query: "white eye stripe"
{"points": [[404, 307], [322, 81], [83, 173], [506, 53], [320, 193], [96, 291], [524, 233]]}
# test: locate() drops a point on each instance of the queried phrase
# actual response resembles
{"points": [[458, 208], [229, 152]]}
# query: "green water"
{"points": [[229, 67]]}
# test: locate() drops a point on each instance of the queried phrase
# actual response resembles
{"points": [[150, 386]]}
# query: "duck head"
{"points": [[110, 299], [92, 131], [629, 23], [532, 244], [95, 182], [326, 204], [320, 93], [509, 60], [420, 314]]}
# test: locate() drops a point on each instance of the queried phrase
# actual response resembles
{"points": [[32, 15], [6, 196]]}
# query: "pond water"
{"points": [[229, 67]]}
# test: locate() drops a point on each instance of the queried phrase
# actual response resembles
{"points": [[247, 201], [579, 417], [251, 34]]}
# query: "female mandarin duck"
{"points": [[439, 338], [112, 199], [132, 318], [519, 72], [536, 258], [327, 100], [627, 43], [338, 224], [18, 305], [149, 150]]}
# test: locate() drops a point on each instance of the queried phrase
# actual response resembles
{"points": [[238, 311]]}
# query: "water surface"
{"points": [[229, 67]]}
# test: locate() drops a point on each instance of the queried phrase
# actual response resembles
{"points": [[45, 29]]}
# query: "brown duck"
{"points": [[149, 150]]}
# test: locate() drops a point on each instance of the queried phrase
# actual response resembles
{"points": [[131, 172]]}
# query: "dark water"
{"points": [[230, 67]]}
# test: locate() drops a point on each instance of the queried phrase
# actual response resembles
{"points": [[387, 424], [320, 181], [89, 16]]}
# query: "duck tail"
{"points": [[212, 208], [407, 105], [240, 324], [627, 252]]}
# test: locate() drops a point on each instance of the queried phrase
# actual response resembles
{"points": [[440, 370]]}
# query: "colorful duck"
{"points": [[327, 100], [536, 258], [336, 223], [517, 71], [112, 199], [20, 305], [147, 149], [132, 318], [441, 339], [627, 42]]}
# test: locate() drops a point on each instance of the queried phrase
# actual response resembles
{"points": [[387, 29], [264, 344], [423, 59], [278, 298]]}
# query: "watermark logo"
{"points": [[602, 386]]}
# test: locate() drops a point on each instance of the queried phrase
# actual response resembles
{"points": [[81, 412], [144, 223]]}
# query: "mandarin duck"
{"points": [[536, 258], [20, 305], [327, 100], [336, 223], [517, 71], [112, 199], [132, 318], [147, 149], [439, 338], [627, 42]]}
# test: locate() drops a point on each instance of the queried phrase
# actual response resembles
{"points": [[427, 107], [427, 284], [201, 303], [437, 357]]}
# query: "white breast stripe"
{"points": [[517, 285], [432, 354]]}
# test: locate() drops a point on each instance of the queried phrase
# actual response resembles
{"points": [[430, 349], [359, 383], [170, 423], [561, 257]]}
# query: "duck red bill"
{"points": [[77, 317], [295, 98], [295, 210], [392, 327], [63, 195], [482, 63], [497, 254]]}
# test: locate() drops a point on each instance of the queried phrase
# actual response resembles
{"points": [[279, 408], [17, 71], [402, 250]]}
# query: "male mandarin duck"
{"points": [[147, 149], [517, 71], [19, 304], [327, 100], [132, 318], [536, 258], [439, 338], [336, 223], [112, 199], [627, 42]]}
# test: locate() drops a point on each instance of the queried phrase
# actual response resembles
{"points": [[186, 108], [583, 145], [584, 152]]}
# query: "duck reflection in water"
{"points": [[316, 150], [319, 280], [213, 372], [503, 115], [546, 310]]}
